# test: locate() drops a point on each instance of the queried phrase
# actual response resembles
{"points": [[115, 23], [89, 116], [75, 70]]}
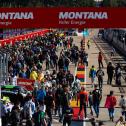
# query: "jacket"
{"points": [[92, 73], [110, 101]]}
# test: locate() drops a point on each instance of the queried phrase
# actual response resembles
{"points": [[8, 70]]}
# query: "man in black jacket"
{"points": [[65, 100], [100, 74], [110, 72]]}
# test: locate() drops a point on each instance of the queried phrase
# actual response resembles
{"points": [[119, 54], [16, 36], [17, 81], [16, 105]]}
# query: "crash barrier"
{"points": [[12, 40]]}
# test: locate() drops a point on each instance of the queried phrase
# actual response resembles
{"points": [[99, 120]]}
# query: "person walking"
{"points": [[3, 109], [85, 59], [100, 58], [69, 78], [110, 72], [68, 112], [122, 104], [92, 75], [90, 101], [65, 100], [50, 104], [96, 98], [113, 52], [66, 64], [120, 122], [110, 103], [83, 97], [28, 110], [88, 44], [15, 116], [118, 74], [39, 118], [100, 74], [41, 94]]}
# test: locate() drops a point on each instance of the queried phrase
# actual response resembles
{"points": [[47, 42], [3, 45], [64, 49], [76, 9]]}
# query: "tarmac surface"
{"points": [[93, 55]]}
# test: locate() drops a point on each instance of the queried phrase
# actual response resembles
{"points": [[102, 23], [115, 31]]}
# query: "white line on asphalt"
{"points": [[84, 123]]}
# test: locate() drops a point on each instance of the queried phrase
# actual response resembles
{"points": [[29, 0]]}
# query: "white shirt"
{"points": [[42, 108], [122, 103]]}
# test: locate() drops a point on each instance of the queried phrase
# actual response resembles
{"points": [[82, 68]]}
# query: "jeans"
{"points": [[58, 109], [63, 112], [111, 112], [124, 114], [96, 108]]}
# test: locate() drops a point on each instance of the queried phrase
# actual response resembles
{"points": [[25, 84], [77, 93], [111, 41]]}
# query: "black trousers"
{"points": [[100, 82], [110, 77], [49, 113], [85, 109], [4, 121], [66, 121], [100, 63]]}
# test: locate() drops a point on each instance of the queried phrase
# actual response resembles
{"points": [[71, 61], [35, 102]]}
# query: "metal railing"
{"points": [[4, 58]]}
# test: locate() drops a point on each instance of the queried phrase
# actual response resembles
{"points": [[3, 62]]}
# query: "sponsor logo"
{"points": [[16, 15], [83, 15]]}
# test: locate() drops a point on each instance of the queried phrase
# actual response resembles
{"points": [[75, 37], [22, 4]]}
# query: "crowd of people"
{"points": [[57, 86]]}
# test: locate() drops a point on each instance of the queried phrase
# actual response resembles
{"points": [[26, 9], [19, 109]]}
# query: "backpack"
{"points": [[91, 73], [100, 73], [96, 96]]}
